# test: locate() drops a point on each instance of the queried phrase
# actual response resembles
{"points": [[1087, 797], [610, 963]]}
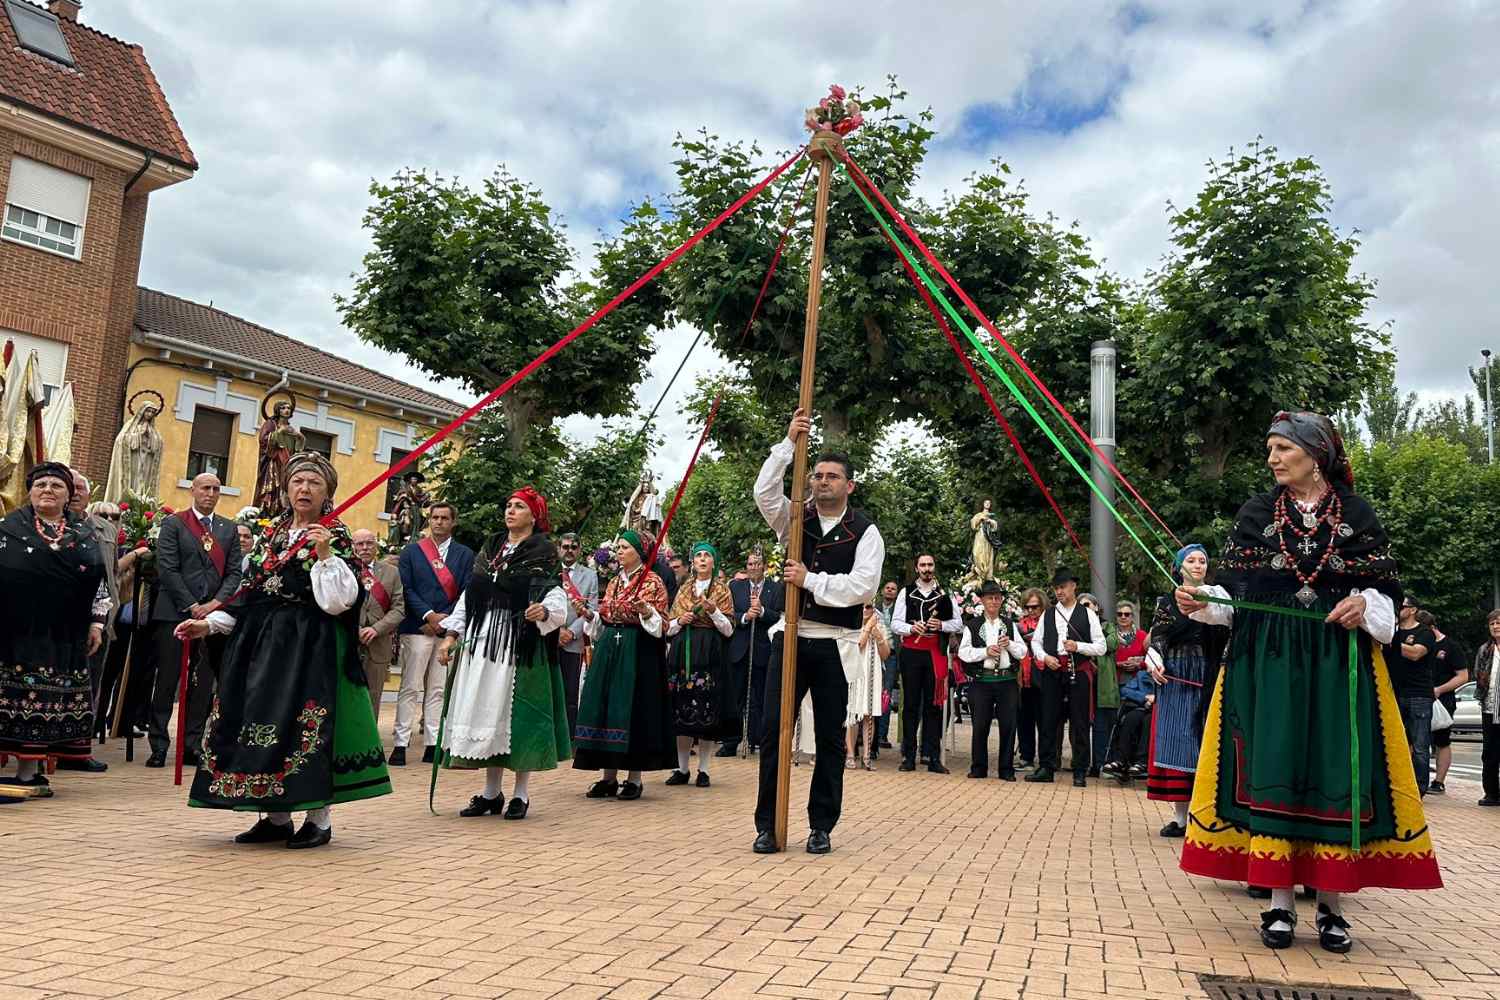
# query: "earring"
{"points": [[1317, 474]]}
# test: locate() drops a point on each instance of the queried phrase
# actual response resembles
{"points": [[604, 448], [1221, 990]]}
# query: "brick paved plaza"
{"points": [[938, 887]]}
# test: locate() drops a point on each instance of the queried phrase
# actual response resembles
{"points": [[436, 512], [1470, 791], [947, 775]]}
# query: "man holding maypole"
{"points": [[843, 554]]}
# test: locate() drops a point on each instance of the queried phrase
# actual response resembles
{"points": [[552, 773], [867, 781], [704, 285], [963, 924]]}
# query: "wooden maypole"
{"points": [[825, 145]]}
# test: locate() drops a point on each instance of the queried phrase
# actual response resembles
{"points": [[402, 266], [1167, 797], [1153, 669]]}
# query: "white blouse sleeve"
{"points": [[556, 603], [967, 651], [1214, 614], [1380, 616], [594, 627], [220, 622], [722, 623], [335, 587], [653, 624], [1017, 648], [458, 620]]}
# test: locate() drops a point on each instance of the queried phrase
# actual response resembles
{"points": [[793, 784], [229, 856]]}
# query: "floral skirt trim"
{"points": [[1218, 849]]}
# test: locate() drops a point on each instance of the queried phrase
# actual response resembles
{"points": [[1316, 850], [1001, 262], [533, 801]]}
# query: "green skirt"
{"points": [[539, 737]]}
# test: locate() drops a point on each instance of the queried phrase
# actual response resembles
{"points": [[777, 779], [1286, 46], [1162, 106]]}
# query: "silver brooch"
{"points": [[1309, 520], [1270, 531], [1345, 531], [1336, 564], [272, 584], [1278, 561]]}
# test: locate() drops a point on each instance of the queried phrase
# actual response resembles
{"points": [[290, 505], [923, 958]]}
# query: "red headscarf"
{"points": [[537, 504]]}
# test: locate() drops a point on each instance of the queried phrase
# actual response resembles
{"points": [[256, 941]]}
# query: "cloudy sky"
{"points": [[1107, 110]]}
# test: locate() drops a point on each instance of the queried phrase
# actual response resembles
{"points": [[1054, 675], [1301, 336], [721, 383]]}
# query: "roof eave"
{"points": [[153, 339], [92, 143]]}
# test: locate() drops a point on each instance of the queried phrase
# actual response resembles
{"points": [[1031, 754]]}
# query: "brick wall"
{"points": [[89, 304]]}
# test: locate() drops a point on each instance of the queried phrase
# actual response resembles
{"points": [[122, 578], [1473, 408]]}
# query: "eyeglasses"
{"points": [[1032, 607], [112, 517], [1124, 614]]}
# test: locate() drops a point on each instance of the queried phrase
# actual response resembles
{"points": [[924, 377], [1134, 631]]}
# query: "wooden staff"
{"points": [[824, 147]]}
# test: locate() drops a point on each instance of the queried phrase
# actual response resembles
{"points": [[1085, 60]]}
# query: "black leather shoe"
{"points": [[907, 765], [1010, 776], [1277, 938], [1093, 772], [428, 753], [765, 843], [481, 806], [158, 758], [1176, 829], [90, 766], [1333, 931], [818, 842], [886, 745], [266, 832], [1257, 892], [728, 750], [629, 791], [398, 757], [1042, 775], [602, 789], [976, 774], [676, 778], [1079, 781], [702, 781], [936, 767], [1490, 800], [517, 809], [311, 835]]}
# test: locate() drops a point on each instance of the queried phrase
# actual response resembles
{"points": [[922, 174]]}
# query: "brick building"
{"points": [[86, 135]]}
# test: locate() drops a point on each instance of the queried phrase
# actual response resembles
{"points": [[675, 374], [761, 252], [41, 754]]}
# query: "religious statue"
{"points": [[643, 508], [986, 530], [409, 512], [135, 460], [279, 441]]}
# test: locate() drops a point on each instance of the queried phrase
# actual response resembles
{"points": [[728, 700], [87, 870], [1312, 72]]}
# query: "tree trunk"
{"points": [[518, 415]]}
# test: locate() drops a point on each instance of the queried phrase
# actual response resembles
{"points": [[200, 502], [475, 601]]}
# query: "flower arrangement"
{"points": [[774, 556], [839, 112], [966, 594], [140, 522]]}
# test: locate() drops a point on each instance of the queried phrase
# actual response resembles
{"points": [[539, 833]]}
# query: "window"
{"points": [[39, 31], [393, 485], [51, 357], [208, 449], [45, 207], [318, 441]]}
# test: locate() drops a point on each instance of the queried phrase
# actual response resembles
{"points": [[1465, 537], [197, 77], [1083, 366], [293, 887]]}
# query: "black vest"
{"points": [[832, 553], [976, 639], [919, 608], [1078, 629]]}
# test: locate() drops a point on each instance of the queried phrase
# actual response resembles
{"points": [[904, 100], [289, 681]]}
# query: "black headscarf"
{"points": [[1316, 435], [56, 470]]}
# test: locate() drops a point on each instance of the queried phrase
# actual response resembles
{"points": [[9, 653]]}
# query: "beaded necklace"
{"points": [[1328, 508], [53, 536]]}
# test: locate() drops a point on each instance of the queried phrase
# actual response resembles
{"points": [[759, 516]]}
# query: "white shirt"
{"points": [[1380, 613], [832, 590], [901, 626], [335, 588], [555, 601], [652, 623], [720, 619], [990, 631], [1061, 615]]}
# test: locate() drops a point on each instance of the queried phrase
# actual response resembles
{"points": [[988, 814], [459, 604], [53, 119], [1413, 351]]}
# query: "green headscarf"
{"points": [[705, 546], [633, 538]]}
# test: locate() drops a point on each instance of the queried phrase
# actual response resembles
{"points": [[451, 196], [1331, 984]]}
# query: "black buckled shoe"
{"points": [[676, 778], [1079, 781], [765, 843], [397, 757], [481, 806], [1333, 930], [818, 842], [517, 809], [702, 781], [1277, 938], [311, 835], [1174, 829], [629, 791], [266, 832], [1042, 775], [603, 789]]}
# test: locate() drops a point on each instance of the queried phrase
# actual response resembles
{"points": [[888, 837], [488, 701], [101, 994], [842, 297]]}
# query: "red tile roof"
{"points": [[215, 330], [109, 89]]}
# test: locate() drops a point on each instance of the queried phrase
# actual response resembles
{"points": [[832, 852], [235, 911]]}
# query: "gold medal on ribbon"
{"points": [[208, 543]]}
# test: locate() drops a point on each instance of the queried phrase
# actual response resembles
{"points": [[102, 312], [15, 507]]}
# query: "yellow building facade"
{"points": [[213, 372]]}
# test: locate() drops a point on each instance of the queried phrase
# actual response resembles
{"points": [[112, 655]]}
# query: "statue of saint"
{"points": [[409, 512], [135, 460], [643, 509], [279, 441], [986, 530]]}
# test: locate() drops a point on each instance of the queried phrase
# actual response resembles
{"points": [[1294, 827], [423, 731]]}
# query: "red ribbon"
{"points": [[182, 686], [985, 321]]}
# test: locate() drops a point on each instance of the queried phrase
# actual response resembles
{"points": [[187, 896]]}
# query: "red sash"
{"points": [[439, 568], [377, 590], [570, 588], [939, 653], [195, 528]]}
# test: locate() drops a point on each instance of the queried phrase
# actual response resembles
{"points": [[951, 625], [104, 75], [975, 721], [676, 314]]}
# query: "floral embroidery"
{"points": [[362, 761], [239, 785]]}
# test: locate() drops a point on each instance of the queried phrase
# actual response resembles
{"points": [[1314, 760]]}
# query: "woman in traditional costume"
{"points": [[703, 702], [1282, 747], [291, 727], [52, 620], [1183, 658], [506, 707], [865, 690], [625, 710]]}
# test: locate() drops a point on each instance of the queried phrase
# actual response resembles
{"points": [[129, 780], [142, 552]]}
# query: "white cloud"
{"points": [[294, 107]]}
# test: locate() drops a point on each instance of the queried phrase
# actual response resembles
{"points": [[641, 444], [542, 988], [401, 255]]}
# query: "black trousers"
{"points": [[918, 686], [820, 671], [572, 669], [993, 701], [1028, 714], [1489, 760], [203, 673], [1129, 743], [1055, 690], [749, 682]]}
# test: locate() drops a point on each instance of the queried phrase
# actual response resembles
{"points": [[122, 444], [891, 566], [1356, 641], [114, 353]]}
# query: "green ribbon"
{"points": [[437, 757], [1014, 390]]}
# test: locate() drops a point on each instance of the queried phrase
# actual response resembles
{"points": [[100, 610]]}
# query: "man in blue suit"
{"points": [[758, 604], [434, 571]]}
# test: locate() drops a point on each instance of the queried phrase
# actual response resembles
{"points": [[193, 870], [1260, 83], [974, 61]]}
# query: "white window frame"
{"points": [[32, 232]]}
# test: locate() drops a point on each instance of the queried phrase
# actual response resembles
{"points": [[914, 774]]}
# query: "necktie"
{"points": [[208, 524]]}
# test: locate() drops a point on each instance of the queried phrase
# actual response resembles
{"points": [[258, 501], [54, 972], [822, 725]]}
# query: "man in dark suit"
{"points": [[198, 570], [758, 604], [380, 615]]}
